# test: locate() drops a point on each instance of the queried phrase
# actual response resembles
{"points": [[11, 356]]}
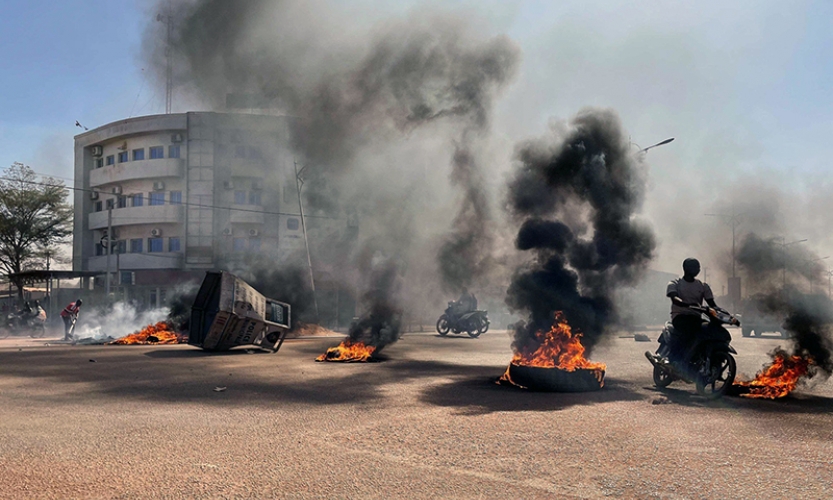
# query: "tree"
{"points": [[34, 216]]}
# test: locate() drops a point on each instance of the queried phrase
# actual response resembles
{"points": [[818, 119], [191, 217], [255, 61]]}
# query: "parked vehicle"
{"points": [[709, 363]]}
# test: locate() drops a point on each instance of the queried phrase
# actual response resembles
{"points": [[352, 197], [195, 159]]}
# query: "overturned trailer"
{"points": [[227, 312]]}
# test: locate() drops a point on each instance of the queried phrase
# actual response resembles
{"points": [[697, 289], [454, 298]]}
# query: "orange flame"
{"points": [[160, 333], [779, 378], [348, 351], [558, 348]]}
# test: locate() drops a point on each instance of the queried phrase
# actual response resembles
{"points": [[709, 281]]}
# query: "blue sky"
{"points": [[743, 85]]}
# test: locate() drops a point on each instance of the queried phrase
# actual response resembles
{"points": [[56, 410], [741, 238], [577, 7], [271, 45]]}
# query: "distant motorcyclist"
{"points": [[70, 316], [466, 303], [685, 292]]}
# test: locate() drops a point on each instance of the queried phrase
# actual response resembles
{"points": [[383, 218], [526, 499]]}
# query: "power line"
{"points": [[184, 203]]}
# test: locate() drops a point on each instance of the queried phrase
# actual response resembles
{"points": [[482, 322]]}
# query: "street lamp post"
{"points": [[812, 280], [641, 150], [784, 246]]}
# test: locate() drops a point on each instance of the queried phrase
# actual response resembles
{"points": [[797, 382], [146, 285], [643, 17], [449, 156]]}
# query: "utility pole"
{"points": [[734, 220], [299, 182], [109, 249], [829, 289]]}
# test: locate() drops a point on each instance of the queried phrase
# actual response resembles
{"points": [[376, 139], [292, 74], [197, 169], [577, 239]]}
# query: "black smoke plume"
{"points": [[776, 272], [380, 325], [575, 194], [352, 93]]}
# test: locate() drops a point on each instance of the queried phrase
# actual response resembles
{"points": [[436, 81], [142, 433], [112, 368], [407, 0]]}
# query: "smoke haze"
{"points": [[778, 273]]}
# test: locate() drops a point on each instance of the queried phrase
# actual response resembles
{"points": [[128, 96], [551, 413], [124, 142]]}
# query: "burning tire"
{"points": [[556, 380], [721, 375], [442, 325]]}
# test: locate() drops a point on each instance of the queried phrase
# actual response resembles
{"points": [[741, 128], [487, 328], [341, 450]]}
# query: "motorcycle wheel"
{"points": [[442, 325], [484, 326], [4, 332], [721, 375], [473, 333], [662, 378]]}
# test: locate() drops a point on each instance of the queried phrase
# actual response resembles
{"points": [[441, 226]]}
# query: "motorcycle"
{"points": [[708, 364], [474, 323], [26, 321]]}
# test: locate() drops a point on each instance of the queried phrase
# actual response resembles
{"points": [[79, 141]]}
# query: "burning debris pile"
{"points": [[381, 325], [778, 379], [160, 333], [807, 318], [575, 194], [557, 348]]}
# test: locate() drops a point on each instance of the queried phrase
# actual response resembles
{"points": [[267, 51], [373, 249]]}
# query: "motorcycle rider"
{"points": [[466, 303], [70, 316], [688, 324]]}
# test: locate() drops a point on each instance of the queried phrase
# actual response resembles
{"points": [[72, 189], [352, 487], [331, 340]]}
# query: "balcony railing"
{"points": [[142, 169], [154, 214], [133, 261]]}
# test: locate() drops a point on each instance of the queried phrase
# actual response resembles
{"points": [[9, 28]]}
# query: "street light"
{"points": [[784, 246], [810, 261], [645, 150]]}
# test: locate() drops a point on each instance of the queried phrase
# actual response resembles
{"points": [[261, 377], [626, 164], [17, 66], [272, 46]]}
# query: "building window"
{"points": [[157, 152], [121, 246], [239, 244], [123, 157], [254, 197], [292, 224], [239, 197], [122, 202], [138, 200], [126, 278], [173, 151], [111, 160], [98, 206], [99, 162], [110, 203], [157, 199], [155, 245], [254, 244], [176, 197], [138, 154], [99, 249], [173, 244], [240, 151], [136, 245]]}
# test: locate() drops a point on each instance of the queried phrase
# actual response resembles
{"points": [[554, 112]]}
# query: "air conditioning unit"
{"points": [[156, 232], [176, 137], [159, 186], [227, 231], [98, 150], [94, 195], [116, 189], [228, 185], [256, 186], [253, 232]]}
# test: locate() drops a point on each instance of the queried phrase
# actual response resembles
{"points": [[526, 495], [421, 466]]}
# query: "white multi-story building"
{"points": [[182, 193]]}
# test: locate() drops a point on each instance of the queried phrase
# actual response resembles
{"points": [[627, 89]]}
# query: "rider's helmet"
{"points": [[79, 302], [691, 266]]}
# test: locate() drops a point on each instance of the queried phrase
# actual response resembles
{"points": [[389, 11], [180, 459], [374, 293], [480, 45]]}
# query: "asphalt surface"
{"points": [[427, 422]]}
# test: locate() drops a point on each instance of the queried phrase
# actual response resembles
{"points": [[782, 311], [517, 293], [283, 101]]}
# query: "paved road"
{"points": [[145, 422]]}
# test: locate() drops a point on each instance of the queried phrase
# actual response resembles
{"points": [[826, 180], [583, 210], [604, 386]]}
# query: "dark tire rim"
{"points": [[720, 376], [662, 378], [442, 326]]}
